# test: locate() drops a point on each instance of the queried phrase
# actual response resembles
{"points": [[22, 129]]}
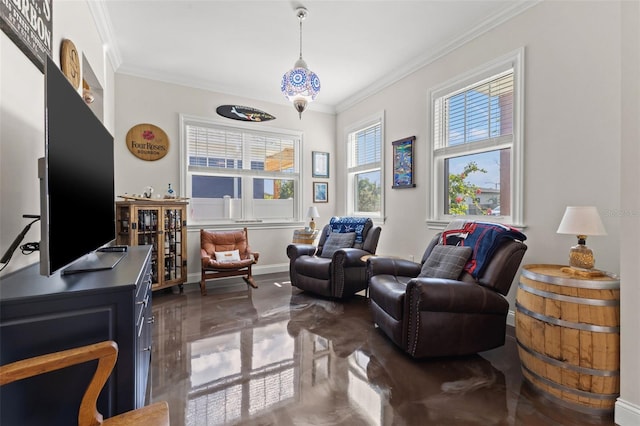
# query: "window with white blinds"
{"points": [[365, 194], [237, 174], [477, 144]]}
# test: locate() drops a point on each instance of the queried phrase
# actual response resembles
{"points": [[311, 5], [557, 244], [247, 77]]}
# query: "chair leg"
{"points": [[249, 280], [203, 286]]}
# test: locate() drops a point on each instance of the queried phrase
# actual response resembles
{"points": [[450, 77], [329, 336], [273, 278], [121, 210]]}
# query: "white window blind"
{"points": [[366, 147], [478, 113]]}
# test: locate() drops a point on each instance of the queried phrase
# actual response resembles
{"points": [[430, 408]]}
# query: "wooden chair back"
{"points": [[106, 353]]}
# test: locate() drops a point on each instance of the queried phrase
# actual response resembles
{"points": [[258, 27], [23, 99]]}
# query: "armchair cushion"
{"points": [[336, 241], [445, 262], [227, 256]]}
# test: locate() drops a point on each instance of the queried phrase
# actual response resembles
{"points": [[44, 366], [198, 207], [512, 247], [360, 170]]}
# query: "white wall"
{"points": [[628, 405], [573, 142], [22, 120], [571, 127], [141, 100]]}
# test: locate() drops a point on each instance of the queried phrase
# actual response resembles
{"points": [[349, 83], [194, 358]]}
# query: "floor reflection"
{"points": [[276, 356]]}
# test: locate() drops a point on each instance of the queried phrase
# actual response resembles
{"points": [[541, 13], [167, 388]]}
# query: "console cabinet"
{"points": [[163, 225], [41, 314]]}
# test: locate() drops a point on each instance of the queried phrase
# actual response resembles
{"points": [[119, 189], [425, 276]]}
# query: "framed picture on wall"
{"points": [[320, 164], [403, 163], [320, 192]]}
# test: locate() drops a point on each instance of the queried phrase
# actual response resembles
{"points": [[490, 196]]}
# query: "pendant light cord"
{"points": [[301, 18]]}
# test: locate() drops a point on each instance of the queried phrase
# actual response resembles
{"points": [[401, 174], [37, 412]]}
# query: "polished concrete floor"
{"points": [[277, 356]]}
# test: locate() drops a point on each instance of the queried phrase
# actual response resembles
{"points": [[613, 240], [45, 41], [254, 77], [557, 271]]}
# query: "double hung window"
{"points": [[238, 174], [477, 144], [365, 189]]}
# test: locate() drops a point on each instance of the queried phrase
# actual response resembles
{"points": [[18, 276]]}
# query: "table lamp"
{"points": [[312, 212], [581, 221]]}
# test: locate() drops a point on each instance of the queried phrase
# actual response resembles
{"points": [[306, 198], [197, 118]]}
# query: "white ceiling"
{"points": [[243, 47]]}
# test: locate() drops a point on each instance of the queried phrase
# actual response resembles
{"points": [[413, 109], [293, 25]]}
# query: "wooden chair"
{"points": [[215, 245], [106, 353]]}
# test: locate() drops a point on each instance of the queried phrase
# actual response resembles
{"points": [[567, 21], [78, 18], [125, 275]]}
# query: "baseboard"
{"points": [[257, 270], [626, 413], [511, 318]]}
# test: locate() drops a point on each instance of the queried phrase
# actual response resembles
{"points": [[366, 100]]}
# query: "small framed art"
{"points": [[403, 163], [320, 164], [320, 192]]}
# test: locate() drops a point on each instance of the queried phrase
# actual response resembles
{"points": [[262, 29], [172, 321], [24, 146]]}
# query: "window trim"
{"points": [[349, 195], [187, 119], [514, 59]]}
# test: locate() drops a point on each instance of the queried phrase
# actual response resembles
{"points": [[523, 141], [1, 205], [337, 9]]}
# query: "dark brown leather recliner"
{"points": [[340, 276], [431, 317], [212, 242]]}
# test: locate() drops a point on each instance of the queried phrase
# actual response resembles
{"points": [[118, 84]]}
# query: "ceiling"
{"points": [[244, 47]]}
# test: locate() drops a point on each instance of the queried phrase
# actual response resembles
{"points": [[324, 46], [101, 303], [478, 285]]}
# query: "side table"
{"points": [[305, 236], [568, 335]]}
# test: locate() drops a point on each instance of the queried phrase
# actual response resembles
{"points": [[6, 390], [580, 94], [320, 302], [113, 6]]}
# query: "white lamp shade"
{"points": [[581, 220], [313, 212]]}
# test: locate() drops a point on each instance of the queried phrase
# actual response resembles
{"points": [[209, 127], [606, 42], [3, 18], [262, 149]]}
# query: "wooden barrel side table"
{"points": [[305, 236], [568, 335]]}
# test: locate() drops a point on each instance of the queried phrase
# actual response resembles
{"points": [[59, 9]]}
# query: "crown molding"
{"points": [[105, 31], [428, 58], [265, 96]]}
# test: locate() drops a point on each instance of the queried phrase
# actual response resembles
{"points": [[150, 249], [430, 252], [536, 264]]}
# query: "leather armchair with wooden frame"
{"points": [[212, 242]]}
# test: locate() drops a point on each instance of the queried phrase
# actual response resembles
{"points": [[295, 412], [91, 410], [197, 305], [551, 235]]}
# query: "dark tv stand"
{"points": [[96, 261], [40, 314]]}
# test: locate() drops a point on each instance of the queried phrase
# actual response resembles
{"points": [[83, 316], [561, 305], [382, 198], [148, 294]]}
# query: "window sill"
{"points": [[248, 224], [441, 224]]}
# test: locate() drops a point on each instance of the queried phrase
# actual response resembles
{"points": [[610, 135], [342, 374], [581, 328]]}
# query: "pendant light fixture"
{"points": [[300, 85]]}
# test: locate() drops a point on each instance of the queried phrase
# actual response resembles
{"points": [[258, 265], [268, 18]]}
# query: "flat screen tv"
{"points": [[77, 199]]}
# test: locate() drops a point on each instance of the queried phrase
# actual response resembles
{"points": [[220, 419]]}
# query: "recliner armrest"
{"points": [[297, 250], [443, 295], [380, 265], [349, 257]]}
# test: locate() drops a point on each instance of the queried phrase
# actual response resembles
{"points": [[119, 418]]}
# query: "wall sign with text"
{"points": [[28, 23], [147, 142]]}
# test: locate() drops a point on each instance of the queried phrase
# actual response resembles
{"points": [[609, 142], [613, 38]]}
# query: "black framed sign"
{"points": [[403, 163], [28, 23]]}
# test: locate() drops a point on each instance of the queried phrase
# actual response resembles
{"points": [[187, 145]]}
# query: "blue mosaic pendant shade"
{"points": [[300, 85]]}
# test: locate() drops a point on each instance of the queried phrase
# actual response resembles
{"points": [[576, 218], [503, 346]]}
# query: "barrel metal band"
{"points": [[563, 323], [600, 396], [571, 299], [613, 284], [566, 366]]}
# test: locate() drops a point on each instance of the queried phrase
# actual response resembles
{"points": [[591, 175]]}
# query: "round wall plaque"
{"points": [[70, 62], [147, 142]]}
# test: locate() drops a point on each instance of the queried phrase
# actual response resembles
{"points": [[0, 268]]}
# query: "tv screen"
{"points": [[77, 181]]}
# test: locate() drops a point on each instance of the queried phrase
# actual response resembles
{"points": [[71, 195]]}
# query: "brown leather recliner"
{"points": [[226, 241], [431, 317], [340, 276]]}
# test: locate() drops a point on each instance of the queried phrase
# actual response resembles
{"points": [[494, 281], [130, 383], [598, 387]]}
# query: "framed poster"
{"points": [[320, 164], [28, 23], [320, 192], [403, 163]]}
